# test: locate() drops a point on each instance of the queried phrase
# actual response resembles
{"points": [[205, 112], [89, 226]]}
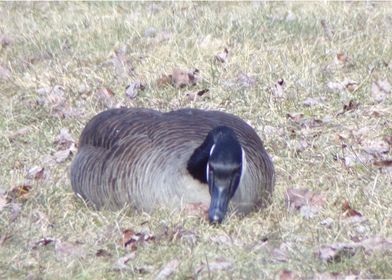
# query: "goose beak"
{"points": [[220, 198]]}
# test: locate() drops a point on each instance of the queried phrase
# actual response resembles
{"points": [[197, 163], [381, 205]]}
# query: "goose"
{"points": [[149, 159]]}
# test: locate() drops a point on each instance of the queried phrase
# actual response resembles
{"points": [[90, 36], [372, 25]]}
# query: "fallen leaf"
{"points": [[383, 163], [19, 192], [103, 253], [105, 97], [335, 252], [179, 233], [348, 211], [375, 147], [42, 242], [194, 95], [64, 139], [307, 202], [36, 172], [181, 78], [132, 89], [62, 155], [164, 80], [380, 90], [222, 56], [341, 58], [132, 240], [168, 270], [216, 265], [351, 106], [277, 90], [288, 275], [121, 263]]}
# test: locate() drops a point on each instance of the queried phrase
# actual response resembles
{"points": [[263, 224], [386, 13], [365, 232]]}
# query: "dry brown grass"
{"points": [[72, 44]]}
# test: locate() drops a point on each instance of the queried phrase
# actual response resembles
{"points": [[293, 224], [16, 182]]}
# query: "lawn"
{"points": [[314, 80]]}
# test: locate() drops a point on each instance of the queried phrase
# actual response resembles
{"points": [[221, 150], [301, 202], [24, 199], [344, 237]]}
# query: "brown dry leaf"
{"points": [[36, 172], [42, 242], [62, 155], [216, 265], [64, 140], [335, 252], [222, 56], [383, 163], [168, 270], [19, 192], [132, 90], [288, 275], [179, 233], [4, 73], [132, 240], [195, 95], [375, 147], [164, 80], [181, 78], [351, 106], [277, 90], [103, 253], [341, 58], [121, 263], [309, 203], [381, 89], [348, 211], [20, 132], [105, 97]]}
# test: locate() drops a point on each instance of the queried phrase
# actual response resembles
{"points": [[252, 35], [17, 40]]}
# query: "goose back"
{"points": [[139, 157]]}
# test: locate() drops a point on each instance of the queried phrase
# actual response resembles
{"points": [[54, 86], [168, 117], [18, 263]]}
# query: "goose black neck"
{"points": [[226, 148]]}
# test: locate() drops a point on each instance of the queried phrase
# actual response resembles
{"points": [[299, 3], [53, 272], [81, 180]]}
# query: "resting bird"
{"points": [[149, 159]]}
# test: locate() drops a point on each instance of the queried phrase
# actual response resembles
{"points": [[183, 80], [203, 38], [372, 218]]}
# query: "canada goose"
{"points": [[148, 159]]}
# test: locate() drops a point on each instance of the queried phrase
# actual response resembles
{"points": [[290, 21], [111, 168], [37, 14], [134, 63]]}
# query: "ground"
{"points": [[312, 79]]}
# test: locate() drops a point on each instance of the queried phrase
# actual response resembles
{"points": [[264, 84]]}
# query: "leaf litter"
{"points": [[337, 251], [307, 202]]}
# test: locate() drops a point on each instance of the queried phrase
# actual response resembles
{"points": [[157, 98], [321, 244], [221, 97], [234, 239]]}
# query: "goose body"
{"points": [[149, 159]]}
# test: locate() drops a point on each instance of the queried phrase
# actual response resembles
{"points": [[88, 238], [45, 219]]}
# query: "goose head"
{"points": [[218, 162]]}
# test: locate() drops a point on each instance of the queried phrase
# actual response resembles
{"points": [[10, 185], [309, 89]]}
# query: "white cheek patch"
{"points": [[243, 167], [208, 166]]}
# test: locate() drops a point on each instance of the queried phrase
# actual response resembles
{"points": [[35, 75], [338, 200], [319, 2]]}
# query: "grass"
{"points": [[70, 44]]}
